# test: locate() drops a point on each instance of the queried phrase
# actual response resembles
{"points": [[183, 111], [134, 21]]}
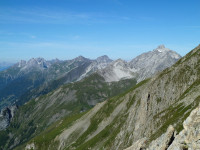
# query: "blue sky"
{"points": [[124, 29]]}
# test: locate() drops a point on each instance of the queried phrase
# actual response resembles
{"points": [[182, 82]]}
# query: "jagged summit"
{"points": [[21, 63], [80, 58], [97, 64], [104, 59], [119, 60], [39, 62], [161, 48], [151, 62]]}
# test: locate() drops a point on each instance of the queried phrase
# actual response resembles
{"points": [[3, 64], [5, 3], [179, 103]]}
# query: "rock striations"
{"points": [[187, 139], [154, 61]]}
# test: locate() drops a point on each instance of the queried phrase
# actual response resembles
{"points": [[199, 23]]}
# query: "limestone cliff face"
{"points": [[146, 111], [188, 138]]}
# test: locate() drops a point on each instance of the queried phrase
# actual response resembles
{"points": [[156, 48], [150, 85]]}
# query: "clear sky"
{"points": [[123, 29]]}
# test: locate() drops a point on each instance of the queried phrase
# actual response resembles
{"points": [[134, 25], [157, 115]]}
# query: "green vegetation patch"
{"points": [[47, 137], [174, 115]]}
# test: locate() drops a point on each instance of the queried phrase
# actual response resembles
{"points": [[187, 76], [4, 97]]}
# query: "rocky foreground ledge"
{"points": [[187, 139]]}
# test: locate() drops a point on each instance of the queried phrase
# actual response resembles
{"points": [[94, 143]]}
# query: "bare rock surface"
{"points": [[141, 67], [187, 139]]}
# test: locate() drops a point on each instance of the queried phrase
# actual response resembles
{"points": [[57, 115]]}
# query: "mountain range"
{"points": [[35, 77], [37, 73], [158, 113], [94, 104]]}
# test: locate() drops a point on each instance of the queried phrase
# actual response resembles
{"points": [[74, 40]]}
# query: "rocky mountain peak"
{"points": [[21, 63], [37, 62], [40, 59], [56, 60], [119, 62], [151, 62], [161, 48], [103, 59], [80, 58]]}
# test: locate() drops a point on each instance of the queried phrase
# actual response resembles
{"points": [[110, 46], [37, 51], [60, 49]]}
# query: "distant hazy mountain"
{"points": [[38, 76], [141, 67]]}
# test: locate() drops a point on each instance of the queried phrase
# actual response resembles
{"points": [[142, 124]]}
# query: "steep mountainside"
{"points": [[142, 67], [66, 101], [145, 111], [188, 138], [26, 80]]}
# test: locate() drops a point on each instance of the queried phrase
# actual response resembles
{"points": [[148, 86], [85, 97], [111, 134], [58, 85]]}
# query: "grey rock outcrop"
{"points": [[187, 139], [164, 141], [6, 115], [139, 145]]}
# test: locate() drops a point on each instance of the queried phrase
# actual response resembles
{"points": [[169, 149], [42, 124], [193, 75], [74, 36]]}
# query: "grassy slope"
{"points": [[45, 140], [36, 115]]}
